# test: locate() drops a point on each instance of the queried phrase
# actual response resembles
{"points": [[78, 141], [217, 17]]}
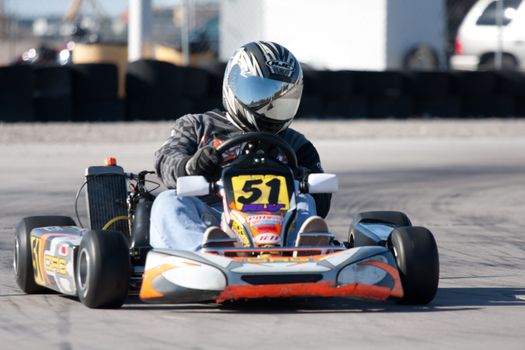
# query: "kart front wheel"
{"points": [[417, 259], [22, 258], [102, 269]]}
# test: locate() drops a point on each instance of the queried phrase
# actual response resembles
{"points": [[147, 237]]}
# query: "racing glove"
{"points": [[301, 173], [206, 162]]}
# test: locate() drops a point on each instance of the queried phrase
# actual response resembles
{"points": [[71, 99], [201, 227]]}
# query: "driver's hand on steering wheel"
{"points": [[206, 162]]}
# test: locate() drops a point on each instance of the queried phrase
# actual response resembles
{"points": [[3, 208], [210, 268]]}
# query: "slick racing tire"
{"points": [[22, 258], [102, 269], [417, 259], [395, 218]]}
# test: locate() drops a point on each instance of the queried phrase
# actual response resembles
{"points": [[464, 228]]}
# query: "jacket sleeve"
{"points": [[308, 157], [171, 158]]}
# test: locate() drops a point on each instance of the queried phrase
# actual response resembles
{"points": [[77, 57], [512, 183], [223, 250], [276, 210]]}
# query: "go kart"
{"points": [[385, 257]]}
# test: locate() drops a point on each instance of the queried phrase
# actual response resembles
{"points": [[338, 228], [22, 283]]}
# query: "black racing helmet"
{"points": [[262, 87]]}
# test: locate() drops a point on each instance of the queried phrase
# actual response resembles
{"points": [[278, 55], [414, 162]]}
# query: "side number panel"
{"points": [[37, 268]]}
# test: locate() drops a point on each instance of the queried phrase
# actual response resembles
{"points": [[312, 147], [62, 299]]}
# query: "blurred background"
{"points": [[36, 31], [156, 59]]}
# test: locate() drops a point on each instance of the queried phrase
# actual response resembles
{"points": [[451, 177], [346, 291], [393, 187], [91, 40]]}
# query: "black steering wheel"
{"points": [[262, 138]]}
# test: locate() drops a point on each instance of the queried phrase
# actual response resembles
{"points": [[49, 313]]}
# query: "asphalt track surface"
{"points": [[469, 190]]}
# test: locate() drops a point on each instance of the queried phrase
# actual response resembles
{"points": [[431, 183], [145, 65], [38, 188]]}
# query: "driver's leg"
{"points": [[179, 222], [305, 209]]}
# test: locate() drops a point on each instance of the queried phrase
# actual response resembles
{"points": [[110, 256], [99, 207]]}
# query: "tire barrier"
{"points": [[102, 109], [95, 92], [379, 84], [428, 84], [512, 84], [93, 81], [431, 93], [444, 107], [474, 83], [154, 91], [158, 90], [390, 107], [194, 83], [53, 93], [353, 106], [215, 71], [16, 94], [341, 84]]}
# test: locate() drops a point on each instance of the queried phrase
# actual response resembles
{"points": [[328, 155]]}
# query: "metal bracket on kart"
{"points": [[140, 201]]}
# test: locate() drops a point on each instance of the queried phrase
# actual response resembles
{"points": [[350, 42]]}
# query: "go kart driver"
{"points": [[262, 89]]}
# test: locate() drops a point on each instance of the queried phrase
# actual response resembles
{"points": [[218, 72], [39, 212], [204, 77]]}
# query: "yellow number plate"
{"points": [[260, 193]]}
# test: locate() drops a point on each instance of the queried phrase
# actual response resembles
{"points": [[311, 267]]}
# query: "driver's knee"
{"points": [[168, 203], [177, 222], [306, 203]]}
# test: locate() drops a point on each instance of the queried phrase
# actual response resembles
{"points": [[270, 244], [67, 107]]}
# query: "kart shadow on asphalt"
{"points": [[447, 299]]}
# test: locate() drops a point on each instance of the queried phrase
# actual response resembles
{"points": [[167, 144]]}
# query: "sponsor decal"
{"points": [[35, 247], [280, 67], [282, 259], [267, 238], [262, 207], [51, 229], [238, 228], [63, 250], [264, 220], [267, 228], [55, 264]]}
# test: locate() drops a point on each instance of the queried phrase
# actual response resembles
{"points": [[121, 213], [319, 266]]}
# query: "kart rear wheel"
{"points": [[22, 258], [102, 269], [395, 218], [417, 259]]}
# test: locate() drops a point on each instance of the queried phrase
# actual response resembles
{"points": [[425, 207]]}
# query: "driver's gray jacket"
{"points": [[212, 128]]}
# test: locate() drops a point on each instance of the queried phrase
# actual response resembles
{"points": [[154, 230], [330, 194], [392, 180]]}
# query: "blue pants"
{"points": [[179, 222]]}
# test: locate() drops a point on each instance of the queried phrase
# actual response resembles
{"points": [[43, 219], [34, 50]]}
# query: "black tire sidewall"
{"points": [[417, 258], [108, 277], [24, 272]]}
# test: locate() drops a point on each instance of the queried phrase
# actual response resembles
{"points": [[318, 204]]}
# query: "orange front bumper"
{"points": [[323, 289]]}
